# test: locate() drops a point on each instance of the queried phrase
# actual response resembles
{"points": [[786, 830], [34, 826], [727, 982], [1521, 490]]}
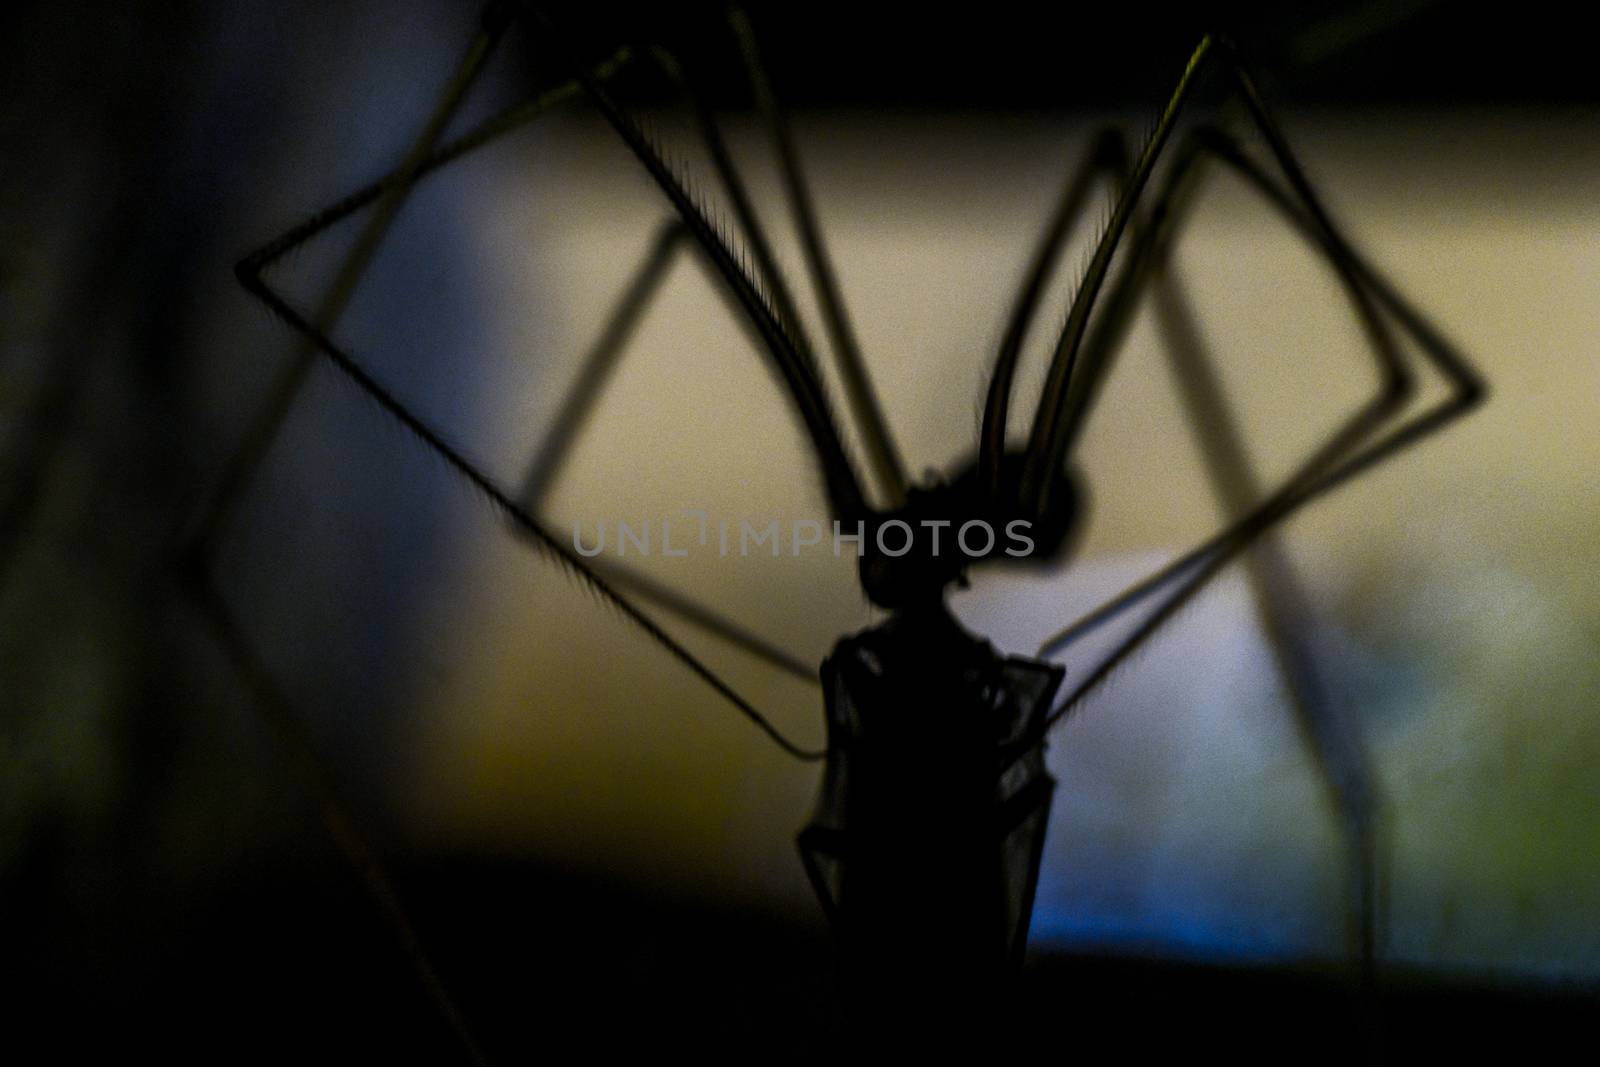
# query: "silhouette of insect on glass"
{"points": [[926, 843]]}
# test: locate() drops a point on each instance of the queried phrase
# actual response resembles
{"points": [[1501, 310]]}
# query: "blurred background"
{"points": [[586, 841]]}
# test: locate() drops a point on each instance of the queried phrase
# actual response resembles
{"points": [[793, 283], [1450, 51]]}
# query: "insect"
{"points": [[935, 794]]}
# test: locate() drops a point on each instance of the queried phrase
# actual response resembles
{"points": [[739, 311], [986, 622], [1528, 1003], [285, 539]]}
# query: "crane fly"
{"points": [[934, 793]]}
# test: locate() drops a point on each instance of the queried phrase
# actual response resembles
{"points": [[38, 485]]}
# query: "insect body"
{"points": [[932, 811], [925, 847], [935, 796]]}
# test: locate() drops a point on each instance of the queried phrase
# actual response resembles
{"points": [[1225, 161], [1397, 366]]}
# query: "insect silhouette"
{"points": [[934, 796]]}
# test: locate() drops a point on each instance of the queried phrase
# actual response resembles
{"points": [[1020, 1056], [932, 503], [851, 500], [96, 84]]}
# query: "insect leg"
{"points": [[795, 370], [764, 261], [1065, 399], [1467, 388], [1364, 826], [389, 195], [1044, 455], [597, 367], [1337, 748], [1341, 459], [342, 825], [766, 267], [550, 544], [492, 129], [1278, 593], [1108, 157], [882, 453], [250, 273], [1285, 611]]}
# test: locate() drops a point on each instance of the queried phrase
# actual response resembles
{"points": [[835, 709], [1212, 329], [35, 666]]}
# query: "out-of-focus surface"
{"points": [[488, 719]]}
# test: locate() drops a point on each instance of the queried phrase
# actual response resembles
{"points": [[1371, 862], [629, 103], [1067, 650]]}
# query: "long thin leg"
{"points": [[1285, 611], [391, 190], [1335, 748], [422, 161], [764, 261], [797, 372], [342, 826], [596, 370], [549, 543], [507, 121], [1187, 575], [882, 453], [1041, 461], [1055, 422], [1153, 238], [712, 622], [263, 429], [389, 193], [1107, 157], [600, 362], [1342, 756], [1467, 387]]}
